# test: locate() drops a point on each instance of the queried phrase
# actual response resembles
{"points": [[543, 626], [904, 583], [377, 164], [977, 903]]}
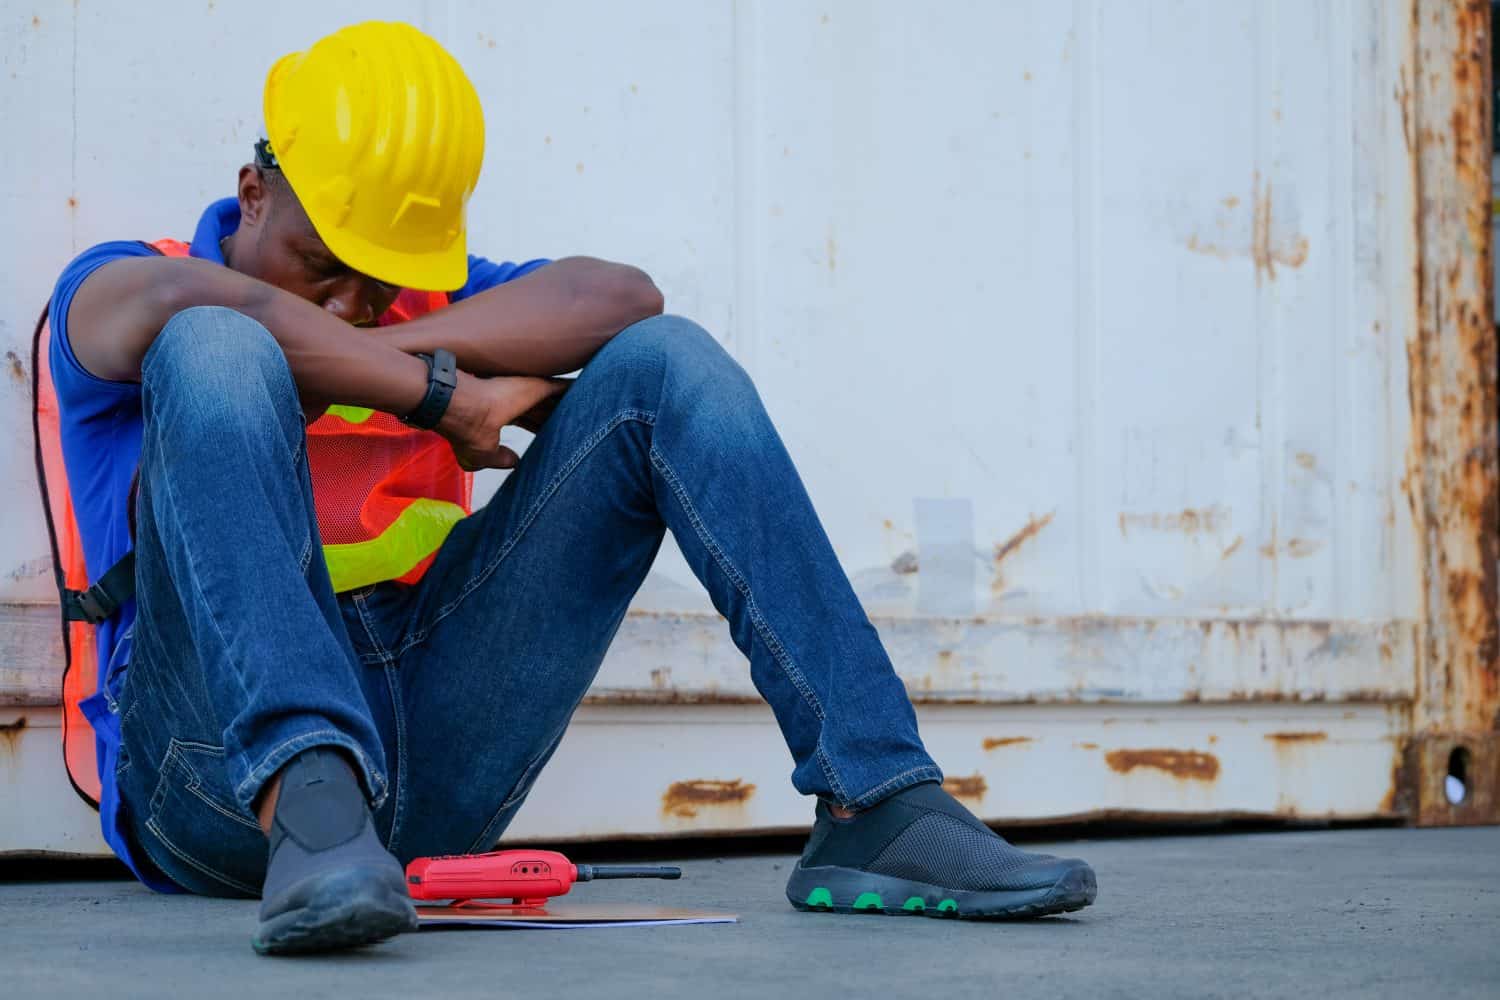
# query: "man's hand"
{"points": [[482, 406]]}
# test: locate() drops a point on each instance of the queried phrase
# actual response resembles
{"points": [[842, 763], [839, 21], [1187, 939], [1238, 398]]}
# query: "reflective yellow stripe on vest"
{"points": [[351, 414], [412, 537]]}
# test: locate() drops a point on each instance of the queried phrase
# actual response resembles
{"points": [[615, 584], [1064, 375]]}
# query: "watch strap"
{"points": [[442, 379]]}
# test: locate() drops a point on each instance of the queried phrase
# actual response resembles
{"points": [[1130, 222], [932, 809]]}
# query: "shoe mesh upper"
{"points": [[941, 850]]}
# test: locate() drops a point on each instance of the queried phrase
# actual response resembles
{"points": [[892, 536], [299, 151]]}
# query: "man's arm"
{"points": [[120, 308], [548, 322]]}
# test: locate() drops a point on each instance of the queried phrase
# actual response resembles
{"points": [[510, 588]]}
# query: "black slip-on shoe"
{"points": [[920, 852], [330, 883]]}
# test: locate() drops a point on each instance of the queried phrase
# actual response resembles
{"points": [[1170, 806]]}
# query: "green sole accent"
{"points": [[914, 905], [948, 906], [869, 901], [820, 897]]}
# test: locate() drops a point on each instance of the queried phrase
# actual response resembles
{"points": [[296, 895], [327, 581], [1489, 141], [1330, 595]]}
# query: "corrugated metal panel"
{"points": [[1089, 324]]}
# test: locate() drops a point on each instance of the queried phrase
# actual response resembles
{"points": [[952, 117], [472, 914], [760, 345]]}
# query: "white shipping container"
{"points": [[1137, 357]]}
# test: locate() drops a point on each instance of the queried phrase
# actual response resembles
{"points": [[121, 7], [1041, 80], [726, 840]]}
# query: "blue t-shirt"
{"points": [[101, 427]]}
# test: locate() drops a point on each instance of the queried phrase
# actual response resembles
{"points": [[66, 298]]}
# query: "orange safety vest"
{"points": [[386, 497]]}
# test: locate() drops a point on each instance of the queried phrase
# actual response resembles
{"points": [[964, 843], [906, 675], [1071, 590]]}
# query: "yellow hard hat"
{"points": [[381, 136]]}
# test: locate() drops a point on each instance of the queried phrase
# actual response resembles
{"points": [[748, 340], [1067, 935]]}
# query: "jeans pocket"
{"points": [[217, 849]]}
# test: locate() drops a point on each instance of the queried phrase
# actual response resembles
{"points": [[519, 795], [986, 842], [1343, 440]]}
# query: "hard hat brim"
{"points": [[438, 271]]}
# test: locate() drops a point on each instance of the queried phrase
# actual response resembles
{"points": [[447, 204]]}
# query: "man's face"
{"points": [[278, 244]]}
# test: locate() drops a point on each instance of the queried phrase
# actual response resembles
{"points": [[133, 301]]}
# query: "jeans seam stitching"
{"points": [[398, 712], [213, 619], [828, 772], [182, 855], [302, 740], [574, 461], [880, 788], [194, 788], [194, 784], [517, 794], [757, 619], [364, 619]]}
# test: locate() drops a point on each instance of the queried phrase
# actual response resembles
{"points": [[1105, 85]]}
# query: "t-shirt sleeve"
{"points": [[68, 375], [487, 274]]}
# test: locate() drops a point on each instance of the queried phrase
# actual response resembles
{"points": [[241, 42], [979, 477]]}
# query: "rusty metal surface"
{"points": [[1453, 479], [1227, 445], [688, 658], [39, 811], [1010, 764]]}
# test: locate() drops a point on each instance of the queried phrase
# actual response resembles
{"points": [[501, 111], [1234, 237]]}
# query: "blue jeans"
{"points": [[452, 694]]}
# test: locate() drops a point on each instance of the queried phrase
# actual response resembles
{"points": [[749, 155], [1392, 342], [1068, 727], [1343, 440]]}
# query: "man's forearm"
{"points": [[333, 362], [549, 322], [119, 310]]}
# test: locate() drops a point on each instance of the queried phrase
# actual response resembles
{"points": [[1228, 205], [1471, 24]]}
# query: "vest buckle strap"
{"points": [[100, 602]]}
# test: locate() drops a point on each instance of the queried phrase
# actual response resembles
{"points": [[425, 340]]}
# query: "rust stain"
{"points": [[1032, 528], [1234, 547], [1453, 471], [1087, 746], [971, 787], [1307, 460], [684, 798], [36, 22], [10, 733], [1282, 739], [1003, 550], [1208, 249], [1403, 98], [1188, 521], [1265, 249], [1301, 548], [1260, 240], [661, 678], [1189, 765], [995, 742], [17, 368]]}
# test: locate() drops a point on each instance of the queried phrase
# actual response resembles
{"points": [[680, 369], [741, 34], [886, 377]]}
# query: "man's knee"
{"points": [[674, 349], [222, 360]]}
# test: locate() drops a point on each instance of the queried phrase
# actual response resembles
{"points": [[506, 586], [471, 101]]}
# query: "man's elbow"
{"points": [[638, 295]]}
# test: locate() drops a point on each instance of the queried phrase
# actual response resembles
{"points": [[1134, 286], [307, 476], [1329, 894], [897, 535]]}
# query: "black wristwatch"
{"points": [[442, 378]]}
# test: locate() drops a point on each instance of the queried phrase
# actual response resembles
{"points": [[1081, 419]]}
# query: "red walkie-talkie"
{"points": [[529, 878]]}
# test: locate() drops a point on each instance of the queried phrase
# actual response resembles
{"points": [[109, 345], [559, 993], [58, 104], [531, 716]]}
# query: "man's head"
{"points": [[378, 138], [278, 244]]}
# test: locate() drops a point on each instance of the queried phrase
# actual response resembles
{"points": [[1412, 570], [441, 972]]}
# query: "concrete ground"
{"points": [[1358, 913]]}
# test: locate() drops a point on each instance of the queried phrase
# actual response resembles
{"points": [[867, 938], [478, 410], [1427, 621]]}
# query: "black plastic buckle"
{"points": [[100, 602], [94, 605]]}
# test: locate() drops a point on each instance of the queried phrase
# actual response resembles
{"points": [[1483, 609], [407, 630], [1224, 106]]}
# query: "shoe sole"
{"points": [[849, 890], [336, 911]]}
